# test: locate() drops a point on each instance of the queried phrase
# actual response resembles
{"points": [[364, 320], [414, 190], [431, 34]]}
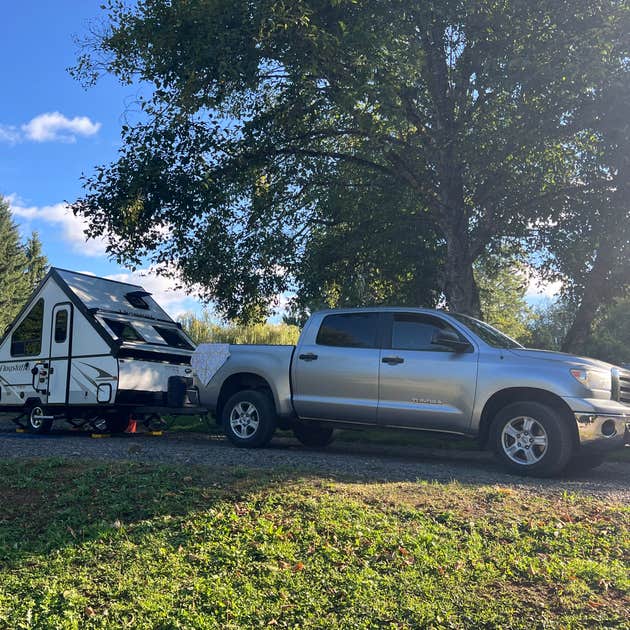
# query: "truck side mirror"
{"points": [[450, 339]]}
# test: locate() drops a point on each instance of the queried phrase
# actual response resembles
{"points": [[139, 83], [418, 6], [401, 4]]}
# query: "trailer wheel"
{"points": [[38, 421], [314, 435], [249, 419]]}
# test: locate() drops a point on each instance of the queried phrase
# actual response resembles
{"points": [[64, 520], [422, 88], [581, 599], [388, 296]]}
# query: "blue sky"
{"points": [[52, 131]]}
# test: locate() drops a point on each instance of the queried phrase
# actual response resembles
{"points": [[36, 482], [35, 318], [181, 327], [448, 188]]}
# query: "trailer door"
{"points": [[60, 350]]}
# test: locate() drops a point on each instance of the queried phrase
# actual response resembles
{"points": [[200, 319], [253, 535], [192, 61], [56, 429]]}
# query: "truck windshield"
{"points": [[486, 333]]}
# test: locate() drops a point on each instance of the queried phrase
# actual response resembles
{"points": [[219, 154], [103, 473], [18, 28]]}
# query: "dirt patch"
{"points": [[19, 501]]}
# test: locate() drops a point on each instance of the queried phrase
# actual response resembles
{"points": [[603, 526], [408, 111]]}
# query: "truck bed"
{"points": [[269, 362]]}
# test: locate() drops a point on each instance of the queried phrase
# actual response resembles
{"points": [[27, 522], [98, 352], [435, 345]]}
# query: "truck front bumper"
{"points": [[603, 432]]}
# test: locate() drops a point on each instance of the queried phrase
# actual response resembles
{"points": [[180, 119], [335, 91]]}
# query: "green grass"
{"points": [[87, 545]]}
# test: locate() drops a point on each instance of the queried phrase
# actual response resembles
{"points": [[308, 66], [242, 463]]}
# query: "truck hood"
{"points": [[569, 359]]}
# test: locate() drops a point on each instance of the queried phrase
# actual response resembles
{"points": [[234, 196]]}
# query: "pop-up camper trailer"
{"points": [[94, 352]]}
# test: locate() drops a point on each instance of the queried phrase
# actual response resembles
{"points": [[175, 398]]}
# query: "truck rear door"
{"points": [[424, 385], [335, 369]]}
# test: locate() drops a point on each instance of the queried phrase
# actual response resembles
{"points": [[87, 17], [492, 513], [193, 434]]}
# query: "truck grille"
{"points": [[621, 386]]}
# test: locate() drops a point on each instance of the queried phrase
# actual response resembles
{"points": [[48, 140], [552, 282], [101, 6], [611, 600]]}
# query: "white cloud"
{"points": [[9, 134], [54, 126], [50, 127], [175, 301], [59, 218]]}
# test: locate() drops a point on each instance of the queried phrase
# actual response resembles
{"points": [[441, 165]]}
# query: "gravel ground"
{"points": [[611, 481]]}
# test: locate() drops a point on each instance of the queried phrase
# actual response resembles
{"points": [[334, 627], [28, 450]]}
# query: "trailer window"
{"points": [[61, 326], [26, 341], [136, 299], [123, 330], [173, 337]]}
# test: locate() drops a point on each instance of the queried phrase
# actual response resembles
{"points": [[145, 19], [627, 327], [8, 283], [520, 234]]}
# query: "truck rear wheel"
{"points": [[38, 420], [532, 439], [249, 419], [313, 434]]}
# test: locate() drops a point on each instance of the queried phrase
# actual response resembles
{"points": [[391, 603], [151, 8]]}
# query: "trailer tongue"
{"points": [[94, 351]]}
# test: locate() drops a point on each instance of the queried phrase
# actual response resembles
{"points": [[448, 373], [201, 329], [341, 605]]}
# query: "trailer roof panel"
{"points": [[106, 295]]}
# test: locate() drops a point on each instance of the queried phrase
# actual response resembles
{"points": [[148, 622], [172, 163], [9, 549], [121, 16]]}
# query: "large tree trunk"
{"points": [[597, 291], [459, 283], [602, 284]]}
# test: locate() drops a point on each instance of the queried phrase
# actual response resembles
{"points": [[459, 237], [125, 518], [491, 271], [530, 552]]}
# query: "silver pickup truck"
{"points": [[425, 370]]}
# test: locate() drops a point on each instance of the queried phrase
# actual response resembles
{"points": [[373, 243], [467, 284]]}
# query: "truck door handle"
{"points": [[393, 360], [308, 357]]}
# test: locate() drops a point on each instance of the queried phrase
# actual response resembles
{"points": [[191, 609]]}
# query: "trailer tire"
{"points": [[314, 435], [35, 423], [249, 418]]}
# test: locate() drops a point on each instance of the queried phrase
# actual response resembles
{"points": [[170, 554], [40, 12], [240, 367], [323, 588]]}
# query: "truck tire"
{"points": [[531, 438], [315, 435], [249, 418], [35, 422]]}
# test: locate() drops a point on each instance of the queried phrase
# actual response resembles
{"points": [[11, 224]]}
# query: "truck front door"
{"points": [[423, 384], [60, 349], [335, 373]]}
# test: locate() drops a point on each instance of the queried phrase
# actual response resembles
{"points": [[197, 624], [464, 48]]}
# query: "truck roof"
{"points": [[371, 309]]}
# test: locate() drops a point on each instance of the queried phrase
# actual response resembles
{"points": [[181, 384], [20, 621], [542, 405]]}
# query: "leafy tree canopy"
{"points": [[503, 279], [369, 246], [258, 108], [588, 247], [611, 338]]}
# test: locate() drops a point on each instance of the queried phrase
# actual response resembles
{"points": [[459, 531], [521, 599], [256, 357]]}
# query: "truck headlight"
{"points": [[593, 379]]}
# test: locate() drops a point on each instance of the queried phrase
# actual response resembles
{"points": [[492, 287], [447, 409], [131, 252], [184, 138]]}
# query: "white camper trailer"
{"points": [[94, 352]]}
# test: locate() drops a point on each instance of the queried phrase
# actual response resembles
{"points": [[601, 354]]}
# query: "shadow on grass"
{"points": [[50, 503], [124, 544]]}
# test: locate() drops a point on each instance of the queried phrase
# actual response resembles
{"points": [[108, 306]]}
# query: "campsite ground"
{"points": [[187, 531]]}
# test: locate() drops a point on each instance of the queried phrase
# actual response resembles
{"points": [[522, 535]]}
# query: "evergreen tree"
{"points": [[21, 266], [13, 282], [36, 261]]}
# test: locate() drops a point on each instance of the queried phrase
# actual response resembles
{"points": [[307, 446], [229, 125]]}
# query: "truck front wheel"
{"points": [[249, 419], [531, 438]]}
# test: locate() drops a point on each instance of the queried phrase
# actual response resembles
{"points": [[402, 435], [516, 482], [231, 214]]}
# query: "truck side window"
{"points": [[349, 330], [61, 326], [26, 341], [413, 331]]}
